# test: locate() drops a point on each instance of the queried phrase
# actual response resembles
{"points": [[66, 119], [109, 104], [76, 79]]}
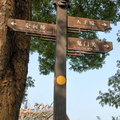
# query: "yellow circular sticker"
{"points": [[61, 80]]}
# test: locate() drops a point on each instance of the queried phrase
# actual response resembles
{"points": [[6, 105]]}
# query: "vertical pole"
{"points": [[60, 66]]}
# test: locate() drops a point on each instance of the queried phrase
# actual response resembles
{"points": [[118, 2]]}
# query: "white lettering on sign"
{"points": [[79, 43], [93, 44], [42, 27], [91, 22], [104, 24], [78, 21], [84, 43], [35, 26], [86, 22], [27, 25], [87, 44]]}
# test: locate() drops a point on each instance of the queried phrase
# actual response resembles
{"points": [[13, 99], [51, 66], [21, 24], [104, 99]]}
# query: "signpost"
{"points": [[77, 24], [33, 28], [60, 66], [85, 45], [64, 45]]}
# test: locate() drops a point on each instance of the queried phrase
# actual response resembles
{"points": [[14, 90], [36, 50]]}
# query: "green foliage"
{"points": [[118, 34], [112, 97], [44, 11], [29, 83], [96, 9], [46, 50], [116, 118], [98, 118], [113, 118], [86, 62]]}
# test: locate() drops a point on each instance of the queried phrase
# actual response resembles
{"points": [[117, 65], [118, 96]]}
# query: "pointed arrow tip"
{"points": [[13, 23], [106, 46]]}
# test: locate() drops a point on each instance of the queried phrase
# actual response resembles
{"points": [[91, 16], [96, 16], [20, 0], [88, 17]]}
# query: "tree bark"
{"points": [[14, 57]]}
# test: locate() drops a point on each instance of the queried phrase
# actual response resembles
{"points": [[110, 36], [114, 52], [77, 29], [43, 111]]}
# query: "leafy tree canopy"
{"points": [[113, 118], [44, 11], [112, 97], [118, 34], [29, 83]]}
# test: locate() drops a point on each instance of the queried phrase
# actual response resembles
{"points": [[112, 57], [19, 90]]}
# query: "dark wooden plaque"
{"points": [[31, 27], [78, 44], [85, 24]]}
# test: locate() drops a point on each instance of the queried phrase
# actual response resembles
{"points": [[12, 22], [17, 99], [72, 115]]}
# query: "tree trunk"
{"points": [[14, 57]]}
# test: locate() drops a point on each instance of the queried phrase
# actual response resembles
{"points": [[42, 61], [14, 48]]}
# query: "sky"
{"points": [[82, 88]]}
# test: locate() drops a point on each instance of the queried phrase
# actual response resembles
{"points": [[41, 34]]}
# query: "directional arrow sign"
{"points": [[85, 24], [31, 27], [13, 23], [78, 44]]}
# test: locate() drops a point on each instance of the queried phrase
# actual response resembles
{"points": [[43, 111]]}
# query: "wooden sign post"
{"points": [[91, 46], [60, 65], [77, 24], [64, 45]]}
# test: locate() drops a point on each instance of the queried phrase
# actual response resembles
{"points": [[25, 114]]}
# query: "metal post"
{"points": [[60, 66]]}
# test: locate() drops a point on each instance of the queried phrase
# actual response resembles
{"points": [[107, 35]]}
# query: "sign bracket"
{"points": [[78, 53], [43, 37]]}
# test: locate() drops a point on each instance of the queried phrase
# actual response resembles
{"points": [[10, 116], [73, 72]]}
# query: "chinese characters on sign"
{"points": [[75, 24], [41, 28], [85, 24], [89, 45], [32, 27]]}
